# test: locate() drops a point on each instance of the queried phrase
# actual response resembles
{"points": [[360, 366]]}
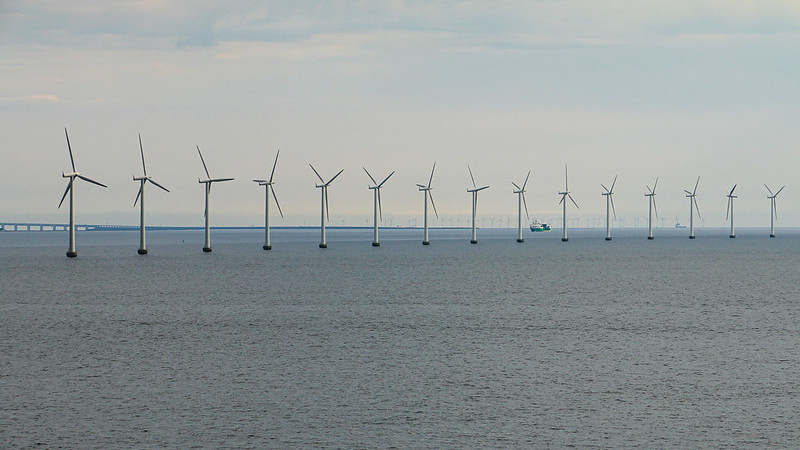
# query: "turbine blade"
{"points": [[370, 176], [604, 187], [734, 188], [573, 201], [69, 186], [386, 179], [688, 193], [610, 191], [144, 168], [318, 176], [154, 182], [562, 199], [526, 180], [728, 210], [433, 204], [515, 185], [611, 197], [334, 177], [526, 206], [471, 177], [91, 181], [566, 178], [380, 208], [203, 161], [775, 207], [276, 199], [430, 181], [695, 186], [138, 194], [648, 189], [697, 208], [779, 190], [327, 211], [274, 164], [69, 147], [655, 207], [654, 185], [768, 189]]}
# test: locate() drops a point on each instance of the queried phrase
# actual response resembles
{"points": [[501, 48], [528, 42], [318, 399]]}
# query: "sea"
{"points": [[669, 343]]}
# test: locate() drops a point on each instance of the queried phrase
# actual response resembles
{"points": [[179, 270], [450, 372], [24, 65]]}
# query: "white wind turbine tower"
{"points": [[773, 209], [652, 196], [692, 206], [376, 205], [324, 208], [609, 201], [143, 180], [521, 201], [563, 201], [426, 190], [729, 211], [475, 189], [72, 252], [269, 187], [208, 181]]}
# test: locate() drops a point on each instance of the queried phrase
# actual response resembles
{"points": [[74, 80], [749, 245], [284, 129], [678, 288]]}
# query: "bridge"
{"points": [[37, 226]]}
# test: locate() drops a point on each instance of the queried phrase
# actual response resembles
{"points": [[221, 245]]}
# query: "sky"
{"points": [[637, 89]]}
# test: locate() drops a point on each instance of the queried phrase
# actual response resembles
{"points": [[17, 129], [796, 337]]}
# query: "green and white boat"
{"points": [[539, 226]]}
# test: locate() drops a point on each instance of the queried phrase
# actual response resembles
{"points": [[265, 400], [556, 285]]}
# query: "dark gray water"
{"points": [[664, 343]]}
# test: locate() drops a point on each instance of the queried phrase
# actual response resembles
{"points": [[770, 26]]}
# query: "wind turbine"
{"points": [[427, 193], [520, 201], [269, 187], [563, 201], [609, 201], [324, 208], [143, 180], [652, 196], [729, 211], [72, 252], [692, 206], [475, 189], [376, 204], [208, 181], [773, 210]]}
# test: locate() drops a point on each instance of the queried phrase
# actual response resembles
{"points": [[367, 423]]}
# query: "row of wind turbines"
{"points": [[377, 208]]}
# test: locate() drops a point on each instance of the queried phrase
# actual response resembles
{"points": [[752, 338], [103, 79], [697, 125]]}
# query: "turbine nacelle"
{"points": [[427, 189], [609, 193], [475, 187], [773, 195], [377, 188], [521, 192], [729, 211]]}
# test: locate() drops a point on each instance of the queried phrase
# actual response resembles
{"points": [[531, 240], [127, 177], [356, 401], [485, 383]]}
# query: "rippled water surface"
{"points": [[631, 342]]}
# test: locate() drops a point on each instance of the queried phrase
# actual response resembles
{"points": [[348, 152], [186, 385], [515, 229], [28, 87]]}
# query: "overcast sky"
{"points": [[640, 89]]}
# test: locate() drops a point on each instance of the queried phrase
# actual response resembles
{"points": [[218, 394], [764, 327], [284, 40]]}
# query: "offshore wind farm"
{"points": [[584, 317], [377, 210]]}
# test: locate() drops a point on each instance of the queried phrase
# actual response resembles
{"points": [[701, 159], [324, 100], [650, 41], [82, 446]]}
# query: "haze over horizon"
{"points": [[638, 89]]}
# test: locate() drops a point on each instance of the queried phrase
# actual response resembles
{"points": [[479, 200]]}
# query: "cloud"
{"points": [[501, 25]]}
